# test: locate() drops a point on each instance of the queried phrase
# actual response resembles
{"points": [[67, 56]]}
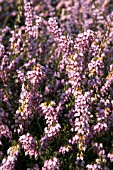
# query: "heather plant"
{"points": [[56, 85]]}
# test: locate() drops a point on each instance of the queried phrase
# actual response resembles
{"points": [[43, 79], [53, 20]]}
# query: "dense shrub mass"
{"points": [[56, 85]]}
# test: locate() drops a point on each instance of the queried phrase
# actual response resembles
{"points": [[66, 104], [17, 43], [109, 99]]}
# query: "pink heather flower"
{"points": [[83, 41], [99, 127], [13, 151], [29, 18], [92, 167], [53, 127], [67, 58], [64, 149], [79, 118], [4, 131], [38, 24], [54, 28], [36, 76], [2, 51], [10, 162], [29, 102], [110, 156], [51, 164], [29, 145], [15, 42], [50, 132], [21, 76]]}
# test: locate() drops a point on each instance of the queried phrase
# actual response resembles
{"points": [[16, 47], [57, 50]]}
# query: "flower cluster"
{"points": [[9, 162], [51, 164], [56, 84], [53, 127], [28, 144]]}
